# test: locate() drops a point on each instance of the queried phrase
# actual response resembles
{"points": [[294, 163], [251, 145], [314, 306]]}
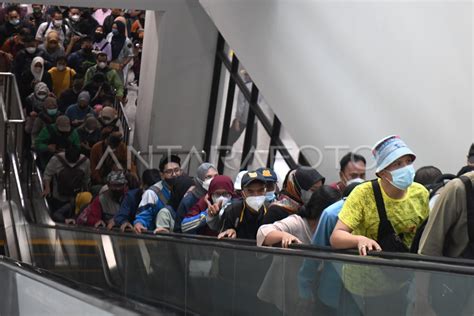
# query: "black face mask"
{"points": [[99, 37], [171, 181], [87, 50]]}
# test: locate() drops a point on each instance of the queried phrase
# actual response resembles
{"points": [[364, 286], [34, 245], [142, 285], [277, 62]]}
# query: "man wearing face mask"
{"points": [[13, 25], [37, 17], [82, 59], [106, 205], [111, 75], [56, 24], [89, 134], [77, 112], [382, 214], [52, 48], [34, 103], [54, 138], [114, 150], [243, 218], [158, 195], [352, 171], [271, 179]]}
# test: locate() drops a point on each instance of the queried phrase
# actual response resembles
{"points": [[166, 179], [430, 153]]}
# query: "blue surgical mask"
{"points": [[52, 112], [270, 196], [402, 178]]}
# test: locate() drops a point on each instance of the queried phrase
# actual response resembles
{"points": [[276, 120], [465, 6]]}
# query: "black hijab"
{"points": [[180, 187], [118, 40]]}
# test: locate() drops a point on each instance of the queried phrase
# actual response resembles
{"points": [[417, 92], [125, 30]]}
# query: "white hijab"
{"points": [[37, 75]]}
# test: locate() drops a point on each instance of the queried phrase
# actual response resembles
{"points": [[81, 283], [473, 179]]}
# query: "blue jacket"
{"points": [[75, 113], [128, 208], [151, 204], [330, 283]]}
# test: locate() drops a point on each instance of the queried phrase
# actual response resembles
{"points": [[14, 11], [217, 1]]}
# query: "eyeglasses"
{"points": [[170, 172]]}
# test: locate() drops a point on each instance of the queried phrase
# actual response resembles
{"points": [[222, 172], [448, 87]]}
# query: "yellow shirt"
{"points": [[62, 80], [360, 214]]}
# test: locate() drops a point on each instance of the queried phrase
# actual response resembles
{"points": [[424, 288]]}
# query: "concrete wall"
{"points": [[347, 73]]}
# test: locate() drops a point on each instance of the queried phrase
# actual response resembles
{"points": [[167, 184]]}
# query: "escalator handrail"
{"points": [[17, 95], [426, 263], [98, 294]]}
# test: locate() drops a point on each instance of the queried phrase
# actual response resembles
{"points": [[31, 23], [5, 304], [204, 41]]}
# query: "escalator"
{"points": [[181, 274]]}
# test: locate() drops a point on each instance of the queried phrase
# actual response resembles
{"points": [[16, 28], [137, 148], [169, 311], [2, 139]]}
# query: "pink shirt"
{"points": [[99, 15]]}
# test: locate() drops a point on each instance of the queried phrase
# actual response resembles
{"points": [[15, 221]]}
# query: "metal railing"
{"points": [[124, 122]]}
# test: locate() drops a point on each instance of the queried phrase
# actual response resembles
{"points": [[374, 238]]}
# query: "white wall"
{"points": [[348, 73]]}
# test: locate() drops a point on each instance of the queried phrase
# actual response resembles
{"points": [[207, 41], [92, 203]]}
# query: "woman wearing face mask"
{"points": [[204, 175], [36, 74], [166, 217], [122, 49], [297, 189], [220, 193], [46, 117], [62, 76], [101, 44], [34, 103], [89, 134]]}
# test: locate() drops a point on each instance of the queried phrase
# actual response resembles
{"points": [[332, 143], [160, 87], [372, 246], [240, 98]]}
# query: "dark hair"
{"points": [[13, 8], [86, 39], [180, 187], [348, 190], [351, 157], [61, 58], [320, 199], [427, 175], [132, 180], [29, 39], [101, 54], [56, 11], [150, 177], [72, 154], [167, 159], [464, 170]]}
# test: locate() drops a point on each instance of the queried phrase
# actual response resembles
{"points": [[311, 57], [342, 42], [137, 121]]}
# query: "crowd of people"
{"points": [[72, 64]]}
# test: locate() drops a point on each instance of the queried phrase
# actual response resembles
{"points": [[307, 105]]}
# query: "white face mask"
{"points": [[61, 67], [306, 196], [75, 17], [224, 200], [356, 180], [38, 69], [31, 50], [206, 183], [102, 65], [255, 202], [58, 23]]}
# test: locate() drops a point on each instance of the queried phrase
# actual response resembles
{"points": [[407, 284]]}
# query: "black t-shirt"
{"points": [[244, 220]]}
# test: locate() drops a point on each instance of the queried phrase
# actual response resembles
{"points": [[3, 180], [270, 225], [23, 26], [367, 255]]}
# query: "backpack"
{"points": [[387, 238], [469, 251], [63, 28], [70, 178], [449, 295]]}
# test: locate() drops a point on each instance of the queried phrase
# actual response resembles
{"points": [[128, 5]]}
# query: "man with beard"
{"points": [[103, 208], [158, 195]]}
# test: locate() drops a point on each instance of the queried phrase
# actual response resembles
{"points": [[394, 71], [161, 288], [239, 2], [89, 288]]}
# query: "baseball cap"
{"points": [[250, 177], [63, 124], [238, 180], [268, 174], [389, 149]]}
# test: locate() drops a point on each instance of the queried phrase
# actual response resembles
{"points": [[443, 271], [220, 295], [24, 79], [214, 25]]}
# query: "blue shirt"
{"points": [[128, 208], [74, 112], [330, 284], [187, 202]]}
